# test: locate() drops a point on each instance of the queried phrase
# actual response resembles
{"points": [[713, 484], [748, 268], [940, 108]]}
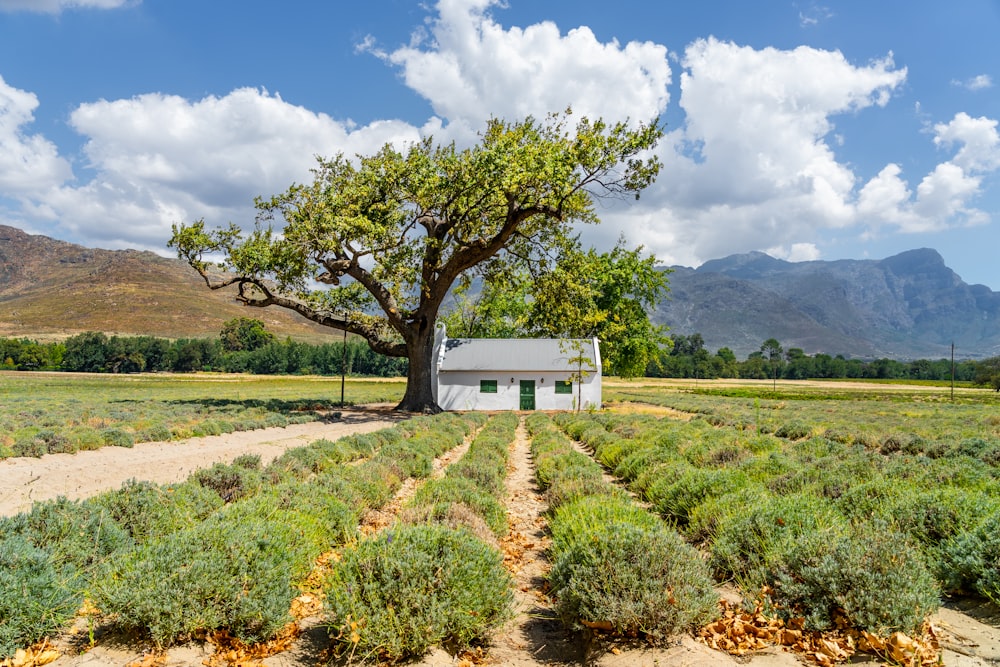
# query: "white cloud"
{"points": [[56, 6], [978, 137], [161, 159], [942, 198], [471, 68], [28, 162], [753, 167], [980, 82], [798, 252]]}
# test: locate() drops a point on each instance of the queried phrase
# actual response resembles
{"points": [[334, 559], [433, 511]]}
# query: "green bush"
{"points": [[970, 559], [576, 521], [117, 437], [158, 432], [37, 596], [441, 493], [74, 532], [414, 587], [875, 577], [635, 578], [230, 481], [750, 539], [221, 574], [147, 510], [677, 493]]}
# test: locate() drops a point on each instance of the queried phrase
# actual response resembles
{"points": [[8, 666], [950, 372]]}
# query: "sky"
{"points": [[807, 130]]}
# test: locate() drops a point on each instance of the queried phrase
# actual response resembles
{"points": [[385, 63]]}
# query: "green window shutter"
{"points": [[564, 387], [487, 386]]}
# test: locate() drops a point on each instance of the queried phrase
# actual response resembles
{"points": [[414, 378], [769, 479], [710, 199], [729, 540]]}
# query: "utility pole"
{"points": [[343, 367], [952, 371]]}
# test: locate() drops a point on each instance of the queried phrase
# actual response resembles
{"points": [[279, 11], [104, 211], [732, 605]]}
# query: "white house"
{"points": [[516, 374]]}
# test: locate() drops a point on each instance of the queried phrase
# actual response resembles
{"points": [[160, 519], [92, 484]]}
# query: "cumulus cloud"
{"points": [[161, 159], [798, 252], [752, 167], [471, 68], [980, 82], [943, 197], [29, 163], [56, 6]]}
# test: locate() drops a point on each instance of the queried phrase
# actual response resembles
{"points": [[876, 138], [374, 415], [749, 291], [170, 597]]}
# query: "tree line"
{"points": [[95, 352], [687, 357]]}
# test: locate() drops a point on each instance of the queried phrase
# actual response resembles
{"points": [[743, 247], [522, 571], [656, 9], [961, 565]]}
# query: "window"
{"points": [[564, 387], [487, 386]]}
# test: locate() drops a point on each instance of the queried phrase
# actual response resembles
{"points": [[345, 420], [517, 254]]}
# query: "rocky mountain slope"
{"points": [[51, 289], [907, 306]]}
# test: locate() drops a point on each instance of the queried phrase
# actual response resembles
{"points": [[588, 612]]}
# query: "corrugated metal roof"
{"points": [[515, 354]]}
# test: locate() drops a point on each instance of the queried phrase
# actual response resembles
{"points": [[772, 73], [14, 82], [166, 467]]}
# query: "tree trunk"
{"points": [[419, 396]]}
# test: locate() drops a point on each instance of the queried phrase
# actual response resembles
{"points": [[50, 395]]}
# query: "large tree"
{"points": [[388, 234]]}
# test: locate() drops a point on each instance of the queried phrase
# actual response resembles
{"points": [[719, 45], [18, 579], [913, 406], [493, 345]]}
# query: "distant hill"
{"points": [[51, 289], [907, 306]]}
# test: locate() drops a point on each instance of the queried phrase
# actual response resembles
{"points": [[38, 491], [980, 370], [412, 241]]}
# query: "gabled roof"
{"points": [[517, 354]]}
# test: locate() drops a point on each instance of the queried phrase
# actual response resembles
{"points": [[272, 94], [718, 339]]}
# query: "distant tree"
{"points": [[86, 353], [988, 373], [771, 350], [244, 334]]}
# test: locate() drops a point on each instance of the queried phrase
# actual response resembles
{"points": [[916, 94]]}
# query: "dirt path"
{"points": [[83, 474], [535, 636]]}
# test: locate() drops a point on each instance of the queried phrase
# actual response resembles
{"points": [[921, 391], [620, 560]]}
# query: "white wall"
{"points": [[459, 390]]}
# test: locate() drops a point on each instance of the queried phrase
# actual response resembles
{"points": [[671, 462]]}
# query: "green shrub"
{"points": [[677, 493], [229, 572], [158, 432], [147, 510], [635, 578], [874, 577], [413, 587], [577, 521], [79, 533], [231, 482], [750, 539], [970, 559], [37, 596], [29, 446], [441, 493], [117, 437]]}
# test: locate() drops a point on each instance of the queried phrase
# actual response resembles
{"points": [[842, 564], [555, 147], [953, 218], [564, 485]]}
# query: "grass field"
{"points": [[44, 413]]}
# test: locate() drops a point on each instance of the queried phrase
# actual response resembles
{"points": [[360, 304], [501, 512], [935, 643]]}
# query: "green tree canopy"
{"points": [[389, 234], [244, 334], [987, 373], [585, 294]]}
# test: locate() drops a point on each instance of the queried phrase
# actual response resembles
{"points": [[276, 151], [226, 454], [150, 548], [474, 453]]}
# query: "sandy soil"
{"points": [[84, 474], [968, 631]]}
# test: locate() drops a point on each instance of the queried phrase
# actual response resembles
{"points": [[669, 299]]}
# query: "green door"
{"points": [[527, 394]]}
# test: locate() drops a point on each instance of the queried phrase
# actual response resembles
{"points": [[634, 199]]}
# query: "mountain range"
{"points": [[907, 306], [904, 307]]}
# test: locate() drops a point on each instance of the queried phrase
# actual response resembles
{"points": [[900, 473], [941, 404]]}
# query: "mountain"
{"points": [[907, 306], [51, 289]]}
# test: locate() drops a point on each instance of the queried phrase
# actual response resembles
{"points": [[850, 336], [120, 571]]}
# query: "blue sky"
{"points": [[805, 130]]}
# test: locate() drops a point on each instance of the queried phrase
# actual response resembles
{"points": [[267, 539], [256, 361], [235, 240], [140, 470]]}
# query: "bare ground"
{"points": [[24, 481], [968, 631]]}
